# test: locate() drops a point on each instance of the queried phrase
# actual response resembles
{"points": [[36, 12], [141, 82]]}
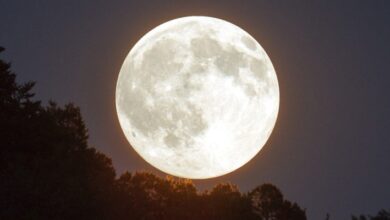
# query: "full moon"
{"points": [[197, 97]]}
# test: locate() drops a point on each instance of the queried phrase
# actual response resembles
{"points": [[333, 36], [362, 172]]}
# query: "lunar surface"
{"points": [[197, 97]]}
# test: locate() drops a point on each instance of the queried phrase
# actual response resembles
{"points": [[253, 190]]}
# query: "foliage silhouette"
{"points": [[48, 171], [382, 215], [269, 204]]}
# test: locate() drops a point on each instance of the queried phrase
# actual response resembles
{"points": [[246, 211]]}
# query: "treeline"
{"points": [[48, 171], [382, 215]]}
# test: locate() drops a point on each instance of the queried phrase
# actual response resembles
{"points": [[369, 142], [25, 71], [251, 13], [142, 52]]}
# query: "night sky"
{"points": [[330, 149]]}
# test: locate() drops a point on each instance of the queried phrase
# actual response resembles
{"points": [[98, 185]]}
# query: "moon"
{"points": [[197, 97]]}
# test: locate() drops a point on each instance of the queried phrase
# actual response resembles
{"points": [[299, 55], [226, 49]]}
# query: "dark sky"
{"points": [[330, 149]]}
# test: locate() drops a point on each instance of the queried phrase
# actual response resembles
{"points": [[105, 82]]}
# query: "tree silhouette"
{"points": [[48, 171], [225, 201], [269, 204], [147, 196], [382, 215]]}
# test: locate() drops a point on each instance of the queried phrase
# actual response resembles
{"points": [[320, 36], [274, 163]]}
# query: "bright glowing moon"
{"points": [[197, 97]]}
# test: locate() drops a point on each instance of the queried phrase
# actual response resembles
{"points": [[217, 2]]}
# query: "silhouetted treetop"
{"points": [[48, 171], [268, 203], [381, 215]]}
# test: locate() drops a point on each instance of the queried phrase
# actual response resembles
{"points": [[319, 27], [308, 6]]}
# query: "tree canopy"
{"points": [[48, 171], [381, 215]]}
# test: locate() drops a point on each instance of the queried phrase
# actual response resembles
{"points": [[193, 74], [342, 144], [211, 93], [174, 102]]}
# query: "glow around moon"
{"points": [[197, 97]]}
